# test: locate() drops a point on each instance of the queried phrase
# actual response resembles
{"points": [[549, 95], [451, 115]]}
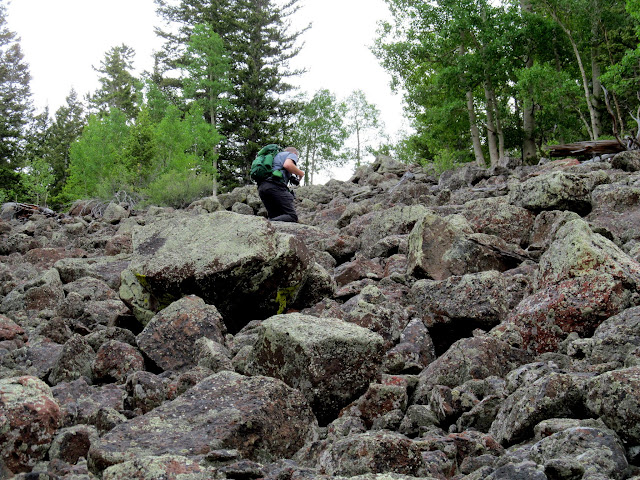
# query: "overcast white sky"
{"points": [[63, 39]]}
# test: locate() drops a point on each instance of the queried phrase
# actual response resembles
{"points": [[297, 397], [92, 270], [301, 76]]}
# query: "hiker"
{"points": [[274, 192]]}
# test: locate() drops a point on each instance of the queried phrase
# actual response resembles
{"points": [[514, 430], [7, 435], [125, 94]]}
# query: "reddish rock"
{"points": [[11, 332], [357, 269], [169, 338], [260, 417], [115, 361], [578, 305], [29, 417], [371, 453], [45, 258]]}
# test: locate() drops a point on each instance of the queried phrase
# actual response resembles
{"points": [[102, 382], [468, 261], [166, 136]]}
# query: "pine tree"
{"points": [[66, 128], [119, 87], [260, 41], [15, 96]]}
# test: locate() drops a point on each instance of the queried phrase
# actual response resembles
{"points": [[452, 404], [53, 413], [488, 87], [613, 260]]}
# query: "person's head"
{"points": [[292, 150]]}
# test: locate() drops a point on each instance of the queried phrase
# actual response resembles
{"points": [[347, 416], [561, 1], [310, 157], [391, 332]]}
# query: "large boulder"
{"points": [[330, 361], [578, 251], [555, 395], [169, 338], [555, 190], [238, 263], [398, 220], [583, 279], [261, 417], [454, 307], [468, 359], [442, 247], [615, 398], [372, 453], [615, 338], [29, 418], [576, 305], [496, 216], [616, 209]]}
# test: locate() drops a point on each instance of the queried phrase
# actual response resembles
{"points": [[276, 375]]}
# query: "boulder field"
{"points": [[478, 324]]}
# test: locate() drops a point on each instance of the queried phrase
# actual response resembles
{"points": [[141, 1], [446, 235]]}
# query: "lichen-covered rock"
{"points": [[413, 352], [114, 213], [80, 402], [260, 417], [90, 288], [212, 355], [107, 269], [577, 251], [371, 453], [576, 305], [75, 361], [615, 338], [377, 401], [373, 310], [167, 467], [357, 269], [442, 247], [616, 209], [12, 335], [115, 361], [45, 293], [553, 191], [144, 392], [554, 395], [236, 262], [467, 359], [330, 361], [169, 338], [72, 443], [397, 220], [495, 216], [29, 418], [587, 451], [545, 227], [464, 303], [628, 161], [615, 398]]}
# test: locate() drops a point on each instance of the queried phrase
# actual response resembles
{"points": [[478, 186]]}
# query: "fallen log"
{"points": [[585, 149]]}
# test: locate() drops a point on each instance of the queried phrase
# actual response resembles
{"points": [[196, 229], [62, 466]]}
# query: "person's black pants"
{"points": [[278, 201]]}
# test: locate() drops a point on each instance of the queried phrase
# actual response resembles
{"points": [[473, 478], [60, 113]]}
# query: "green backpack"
{"points": [[262, 166]]}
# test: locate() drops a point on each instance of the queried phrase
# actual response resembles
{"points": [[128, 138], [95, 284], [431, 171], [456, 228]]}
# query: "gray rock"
{"points": [[442, 247], [330, 361], [260, 417], [553, 191], [553, 395], [615, 398], [30, 417], [169, 338], [148, 468], [75, 361], [250, 271], [467, 359], [371, 453]]}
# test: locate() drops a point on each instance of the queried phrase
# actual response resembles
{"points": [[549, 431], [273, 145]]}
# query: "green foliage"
{"points": [[561, 98], [178, 188], [98, 163], [362, 118], [319, 133], [37, 180], [15, 98], [259, 41], [119, 88]]}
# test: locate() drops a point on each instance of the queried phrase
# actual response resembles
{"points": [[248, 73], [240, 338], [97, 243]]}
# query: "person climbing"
{"points": [[274, 192]]}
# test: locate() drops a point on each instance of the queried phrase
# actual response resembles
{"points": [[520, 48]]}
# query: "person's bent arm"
{"points": [[291, 167]]}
